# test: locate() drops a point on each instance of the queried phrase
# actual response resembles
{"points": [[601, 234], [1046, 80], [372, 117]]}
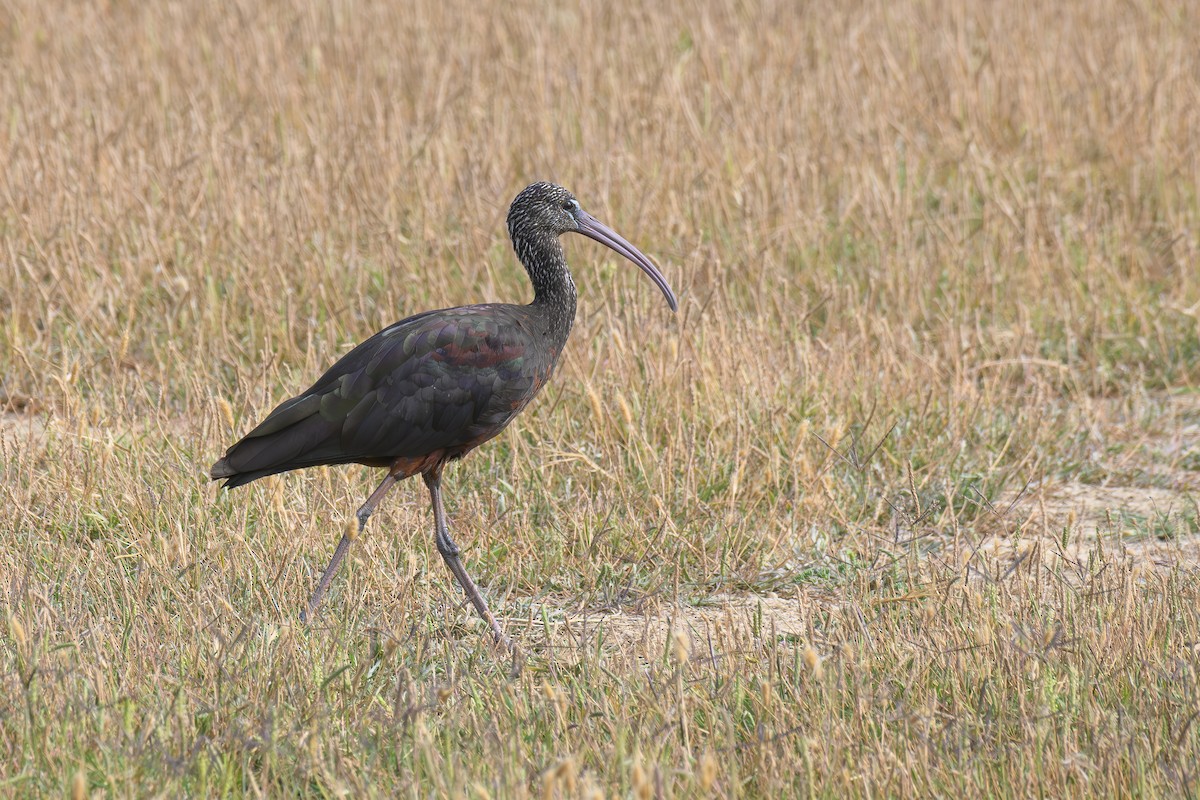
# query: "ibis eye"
{"points": [[571, 205]]}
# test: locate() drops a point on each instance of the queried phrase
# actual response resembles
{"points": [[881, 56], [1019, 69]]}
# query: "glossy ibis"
{"points": [[432, 387]]}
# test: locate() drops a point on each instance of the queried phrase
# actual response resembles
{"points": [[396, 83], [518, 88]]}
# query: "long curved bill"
{"points": [[593, 228]]}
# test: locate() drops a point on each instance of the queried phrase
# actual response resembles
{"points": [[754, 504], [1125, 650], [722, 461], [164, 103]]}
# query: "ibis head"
{"points": [[544, 211]]}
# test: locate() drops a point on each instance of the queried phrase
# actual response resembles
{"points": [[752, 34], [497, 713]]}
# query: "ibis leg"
{"points": [[449, 551], [364, 513]]}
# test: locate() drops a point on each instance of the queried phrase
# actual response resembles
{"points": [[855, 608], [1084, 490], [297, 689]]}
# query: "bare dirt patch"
{"points": [[1151, 527], [657, 628], [22, 431], [1147, 503]]}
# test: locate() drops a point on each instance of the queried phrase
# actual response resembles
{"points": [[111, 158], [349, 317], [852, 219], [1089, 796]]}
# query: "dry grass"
{"points": [[955, 242]]}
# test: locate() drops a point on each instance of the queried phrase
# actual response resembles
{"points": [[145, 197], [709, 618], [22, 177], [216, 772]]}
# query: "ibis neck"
{"points": [[553, 289]]}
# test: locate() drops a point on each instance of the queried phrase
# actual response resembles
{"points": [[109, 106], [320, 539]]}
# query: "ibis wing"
{"points": [[437, 381], [439, 385]]}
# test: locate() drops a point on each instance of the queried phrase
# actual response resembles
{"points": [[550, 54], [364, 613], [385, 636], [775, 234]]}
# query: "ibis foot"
{"points": [[449, 551], [445, 545]]}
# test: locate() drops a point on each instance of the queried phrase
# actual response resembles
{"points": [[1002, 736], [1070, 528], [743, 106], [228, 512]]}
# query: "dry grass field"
{"points": [[902, 503]]}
